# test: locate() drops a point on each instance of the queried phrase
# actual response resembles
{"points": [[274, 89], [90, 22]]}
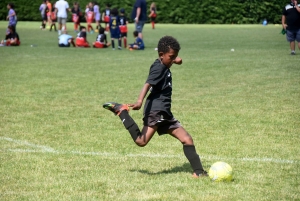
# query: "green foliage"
{"points": [[178, 11]]}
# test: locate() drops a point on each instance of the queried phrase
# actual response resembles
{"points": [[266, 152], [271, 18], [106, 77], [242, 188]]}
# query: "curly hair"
{"points": [[166, 43], [114, 12]]}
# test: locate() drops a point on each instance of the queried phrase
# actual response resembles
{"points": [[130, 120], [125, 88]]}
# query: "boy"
{"points": [[42, 9], [81, 38], [53, 18], [101, 41], [90, 18], [114, 28], [76, 13], [157, 109], [64, 40], [106, 16], [11, 39], [138, 42], [123, 26]]}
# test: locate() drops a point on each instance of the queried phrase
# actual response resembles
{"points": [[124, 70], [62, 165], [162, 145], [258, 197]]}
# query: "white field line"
{"points": [[46, 149]]}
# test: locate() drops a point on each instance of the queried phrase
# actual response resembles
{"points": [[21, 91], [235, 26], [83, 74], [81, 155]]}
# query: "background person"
{"points": [[139, 15], [153, 14], [11, 39], [61, 8], [291, 23], [65, 40], [11, 17], [42, 9]]}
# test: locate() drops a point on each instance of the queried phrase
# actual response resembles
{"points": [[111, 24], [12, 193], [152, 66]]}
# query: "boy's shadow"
{"points": [[186, 167]]}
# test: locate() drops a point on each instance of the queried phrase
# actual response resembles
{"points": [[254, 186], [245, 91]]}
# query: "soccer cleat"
{"points": [[116, 108], [120, 48], [293, 53], [203, 174]]}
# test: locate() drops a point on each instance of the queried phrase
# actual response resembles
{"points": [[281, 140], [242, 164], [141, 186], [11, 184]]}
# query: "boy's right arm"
{"points": [[139, 103]]}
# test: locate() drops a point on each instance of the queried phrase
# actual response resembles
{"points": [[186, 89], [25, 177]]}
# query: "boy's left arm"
{"points": [[178, 61]]}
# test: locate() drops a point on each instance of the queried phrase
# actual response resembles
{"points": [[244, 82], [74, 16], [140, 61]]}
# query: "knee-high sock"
{"points": [[125, 42], [193, 157], [113, 43], [153, 23], [130, 124], [120, 42]]}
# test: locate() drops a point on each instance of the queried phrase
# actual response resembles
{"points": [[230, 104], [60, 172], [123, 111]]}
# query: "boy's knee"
{"points": [[140, 144], [188, 140]]}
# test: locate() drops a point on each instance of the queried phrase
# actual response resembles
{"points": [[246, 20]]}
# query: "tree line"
{"points": [[175, 11]]}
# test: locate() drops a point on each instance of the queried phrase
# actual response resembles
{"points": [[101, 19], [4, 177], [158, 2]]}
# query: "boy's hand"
{"points": [[178, 61], [135, 106]]}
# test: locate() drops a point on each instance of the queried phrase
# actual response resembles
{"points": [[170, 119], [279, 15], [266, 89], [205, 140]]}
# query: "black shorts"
{"points": [[153, 19], [162, 120], [123, 35]]}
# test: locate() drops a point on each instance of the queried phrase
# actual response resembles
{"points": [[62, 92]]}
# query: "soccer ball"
{"points": [[220, 171]]}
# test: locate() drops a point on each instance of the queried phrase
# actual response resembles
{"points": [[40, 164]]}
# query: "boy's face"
{"points": [[168, 58]]}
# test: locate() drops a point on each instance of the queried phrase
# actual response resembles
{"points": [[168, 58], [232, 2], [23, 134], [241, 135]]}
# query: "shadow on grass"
{"points": [[186, 167]]}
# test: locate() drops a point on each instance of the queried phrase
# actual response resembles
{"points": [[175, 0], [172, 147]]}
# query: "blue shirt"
{"points": [[63, 39], [139, 42], [140, 4]]}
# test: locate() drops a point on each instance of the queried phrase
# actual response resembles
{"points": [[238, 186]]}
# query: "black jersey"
{"points": [[81, 34], [12, 36], [101, 38], [77, 12], [159, 99], [122, 20], [292, 17]]}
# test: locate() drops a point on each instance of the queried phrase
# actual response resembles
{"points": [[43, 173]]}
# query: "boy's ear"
{"points": [[160, 54]]}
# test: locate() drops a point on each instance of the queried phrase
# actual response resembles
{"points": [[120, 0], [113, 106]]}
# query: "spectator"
{"points": [[64, 40], [139, 15], [61, 8], [291, 23]]}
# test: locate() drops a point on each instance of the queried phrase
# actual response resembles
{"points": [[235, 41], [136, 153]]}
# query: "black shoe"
{"points": [[116, 108]]}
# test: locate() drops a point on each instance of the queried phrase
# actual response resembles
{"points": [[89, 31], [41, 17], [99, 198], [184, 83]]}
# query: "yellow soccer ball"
{"points": [[220, 171]]}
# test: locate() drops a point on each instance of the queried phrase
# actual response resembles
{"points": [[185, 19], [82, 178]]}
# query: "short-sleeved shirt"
{"points": [[292, 17], [12, 36], [122, 20], [12, 19], [139, 42], [63, 39], [62, 7], [81, 34], [101, 38], [159, 99], [114, 27], [140, 4]]}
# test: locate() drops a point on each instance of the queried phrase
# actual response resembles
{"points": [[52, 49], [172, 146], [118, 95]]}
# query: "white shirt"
{"points": [[62, 7]]}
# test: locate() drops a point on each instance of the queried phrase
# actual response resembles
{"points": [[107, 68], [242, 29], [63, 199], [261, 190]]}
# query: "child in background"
{"points": [[53, 18], [49, 11], [64, 40], [157, 108], [101, 41], [153, 14], [123, 26], [97, 14], [76, 13], [138, 42], [11, 39], [106, 16], [90, 18], [42, 9], [114, 28], [81, 38]]}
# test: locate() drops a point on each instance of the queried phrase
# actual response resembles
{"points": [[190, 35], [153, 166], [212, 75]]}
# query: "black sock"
{"points": [[54, 27], [113, 43], [130, 124], [43, 25], [119, 42], [193, 157], [51, 27]]}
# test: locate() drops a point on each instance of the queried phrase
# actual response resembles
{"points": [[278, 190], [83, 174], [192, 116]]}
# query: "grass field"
{"points": [[241, 107]]}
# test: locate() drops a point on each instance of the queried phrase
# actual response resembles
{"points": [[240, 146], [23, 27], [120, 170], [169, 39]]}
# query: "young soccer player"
{"points": [[138, 42], [157, 109], [114, 28], [53, 18], [12, 39], [65, 40], [81, 38], [123, 26], [106, 16], [76, 13], [90, 18], [96, 14], [42, 9], [49, 11], [153, 14], [101, 40]]}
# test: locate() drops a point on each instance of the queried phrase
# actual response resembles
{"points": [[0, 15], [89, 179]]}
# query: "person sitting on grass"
{"points": [[64, 40], [11, 39], [81, 38], [138, 42], [157, 109], [101, 40]]}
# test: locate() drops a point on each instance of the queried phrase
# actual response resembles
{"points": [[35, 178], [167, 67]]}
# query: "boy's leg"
{"points": [[140, 138], [120, 43], [189, 150], [125, 41], [113, 43]]}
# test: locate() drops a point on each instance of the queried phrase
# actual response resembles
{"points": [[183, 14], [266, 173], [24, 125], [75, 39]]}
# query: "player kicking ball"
{"points": [[157, 109]]}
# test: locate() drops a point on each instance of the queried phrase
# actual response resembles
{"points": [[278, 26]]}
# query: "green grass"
{"points": [[241, 107]]}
